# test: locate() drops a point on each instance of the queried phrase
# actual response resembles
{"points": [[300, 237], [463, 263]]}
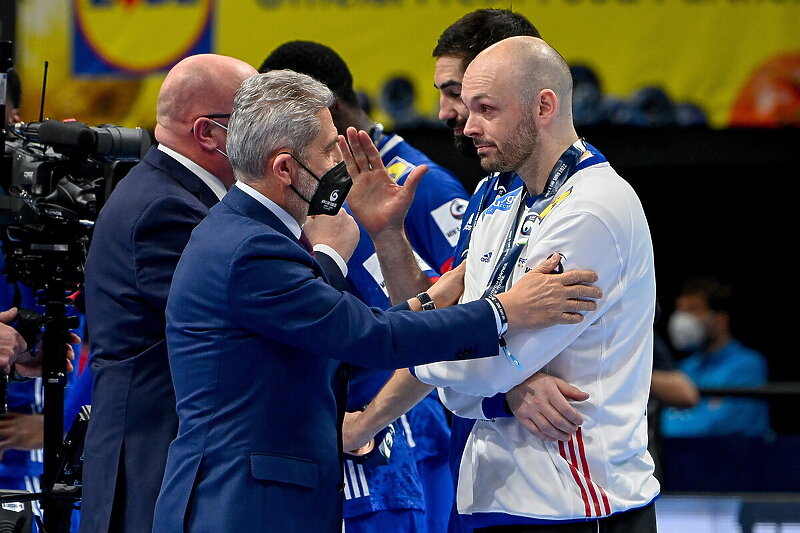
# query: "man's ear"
{"points": [[546, 105], [202, 134], [282, 167]]}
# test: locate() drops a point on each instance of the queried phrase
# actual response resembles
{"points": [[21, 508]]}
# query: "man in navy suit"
{"points": [[256, 333], [139, 237]]}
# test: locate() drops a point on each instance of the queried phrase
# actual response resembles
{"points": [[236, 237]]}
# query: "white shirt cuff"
{"points": [[333, 254]]}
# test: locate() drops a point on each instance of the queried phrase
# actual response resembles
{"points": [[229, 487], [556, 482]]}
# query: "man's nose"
{"points": [[472, 128], [446, 109]]}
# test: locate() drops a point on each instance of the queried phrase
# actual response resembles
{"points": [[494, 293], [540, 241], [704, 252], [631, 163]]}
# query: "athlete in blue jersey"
{"points": [[409, 490]]}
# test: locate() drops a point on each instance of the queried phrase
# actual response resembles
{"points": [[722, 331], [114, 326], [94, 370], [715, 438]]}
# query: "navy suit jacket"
{"points": [[139, 236], [255, 334]]}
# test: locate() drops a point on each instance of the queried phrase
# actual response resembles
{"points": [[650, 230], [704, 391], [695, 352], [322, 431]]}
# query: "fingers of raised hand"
{"points": [[360, 160], [349, 161], [370, 150], [413, 179]]}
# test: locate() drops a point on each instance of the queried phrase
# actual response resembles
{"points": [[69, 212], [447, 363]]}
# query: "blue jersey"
{"points": [[432, 225], [381, 484]]}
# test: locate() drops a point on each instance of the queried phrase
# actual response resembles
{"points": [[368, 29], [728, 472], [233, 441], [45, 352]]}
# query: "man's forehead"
{"points": [[480, 82], [327, 138], [449, 69]]}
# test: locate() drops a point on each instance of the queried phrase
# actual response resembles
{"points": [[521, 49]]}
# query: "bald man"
{"points": [[140, 234], [518, 94]]}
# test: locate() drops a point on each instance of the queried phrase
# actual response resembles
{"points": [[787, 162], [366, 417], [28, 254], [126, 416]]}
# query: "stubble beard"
{"points": [[519, 148]]}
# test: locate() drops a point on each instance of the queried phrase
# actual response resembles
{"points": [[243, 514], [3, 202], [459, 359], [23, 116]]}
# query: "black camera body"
{"points": [[56, 176]]}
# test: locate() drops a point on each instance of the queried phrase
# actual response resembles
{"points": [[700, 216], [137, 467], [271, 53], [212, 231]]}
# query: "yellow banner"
{"points": [[107, 56]]}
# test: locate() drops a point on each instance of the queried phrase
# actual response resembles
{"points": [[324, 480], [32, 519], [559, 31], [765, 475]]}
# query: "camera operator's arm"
{"points": [[14, 350], [21, 432], [12, 345]]}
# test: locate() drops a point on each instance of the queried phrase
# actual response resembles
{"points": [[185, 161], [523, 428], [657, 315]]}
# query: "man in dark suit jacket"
{"points": [[256, 332], [139, 237]]}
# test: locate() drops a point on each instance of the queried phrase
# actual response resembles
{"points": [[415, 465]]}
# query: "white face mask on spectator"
{"points": [[686, 331]]}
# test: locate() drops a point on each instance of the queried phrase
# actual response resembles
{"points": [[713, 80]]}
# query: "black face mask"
{"points": [[331, 191]]}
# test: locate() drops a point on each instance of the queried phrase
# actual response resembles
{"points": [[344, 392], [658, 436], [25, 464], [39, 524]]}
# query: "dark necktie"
{"points": [[306, 243]]}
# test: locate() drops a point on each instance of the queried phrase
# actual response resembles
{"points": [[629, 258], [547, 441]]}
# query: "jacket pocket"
{"points": [[284, 469]]}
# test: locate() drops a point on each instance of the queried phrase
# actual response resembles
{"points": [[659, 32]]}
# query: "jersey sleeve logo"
{"points": [[448, 218], [398, 167]]}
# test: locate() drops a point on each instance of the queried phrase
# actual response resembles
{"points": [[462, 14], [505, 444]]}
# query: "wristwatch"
{"points": [[426, 301]]}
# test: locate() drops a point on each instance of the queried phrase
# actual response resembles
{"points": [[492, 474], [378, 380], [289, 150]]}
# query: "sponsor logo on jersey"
{"points": [[138, 36], [458, 207], [450, 224], [485, 258], [528, 223], [502, 203], [398, 167]]}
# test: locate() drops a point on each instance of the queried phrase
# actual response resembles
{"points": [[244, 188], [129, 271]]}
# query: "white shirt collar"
{"points": [[276, 210], [207, 177]]}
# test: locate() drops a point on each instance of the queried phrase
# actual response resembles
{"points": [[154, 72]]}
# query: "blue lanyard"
{"points": [[562, 170]]}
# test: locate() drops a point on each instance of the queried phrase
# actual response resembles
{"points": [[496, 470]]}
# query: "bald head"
{"points": [[528, 65], [199, 85], [518, 93]]}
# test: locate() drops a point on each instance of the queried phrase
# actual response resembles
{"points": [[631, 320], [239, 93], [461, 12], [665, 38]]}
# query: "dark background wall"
{"points": [[719, 203]]}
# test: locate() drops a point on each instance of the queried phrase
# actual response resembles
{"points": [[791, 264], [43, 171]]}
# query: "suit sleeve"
{"points": [[335, 275], [159, 238], [586, 242], [273, 291]]}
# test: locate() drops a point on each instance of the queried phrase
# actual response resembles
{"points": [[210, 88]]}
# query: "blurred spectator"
{"points": [[590, 107], [690, 115], [364, 102], [648, 107], [701, 325], [399, 99]]}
